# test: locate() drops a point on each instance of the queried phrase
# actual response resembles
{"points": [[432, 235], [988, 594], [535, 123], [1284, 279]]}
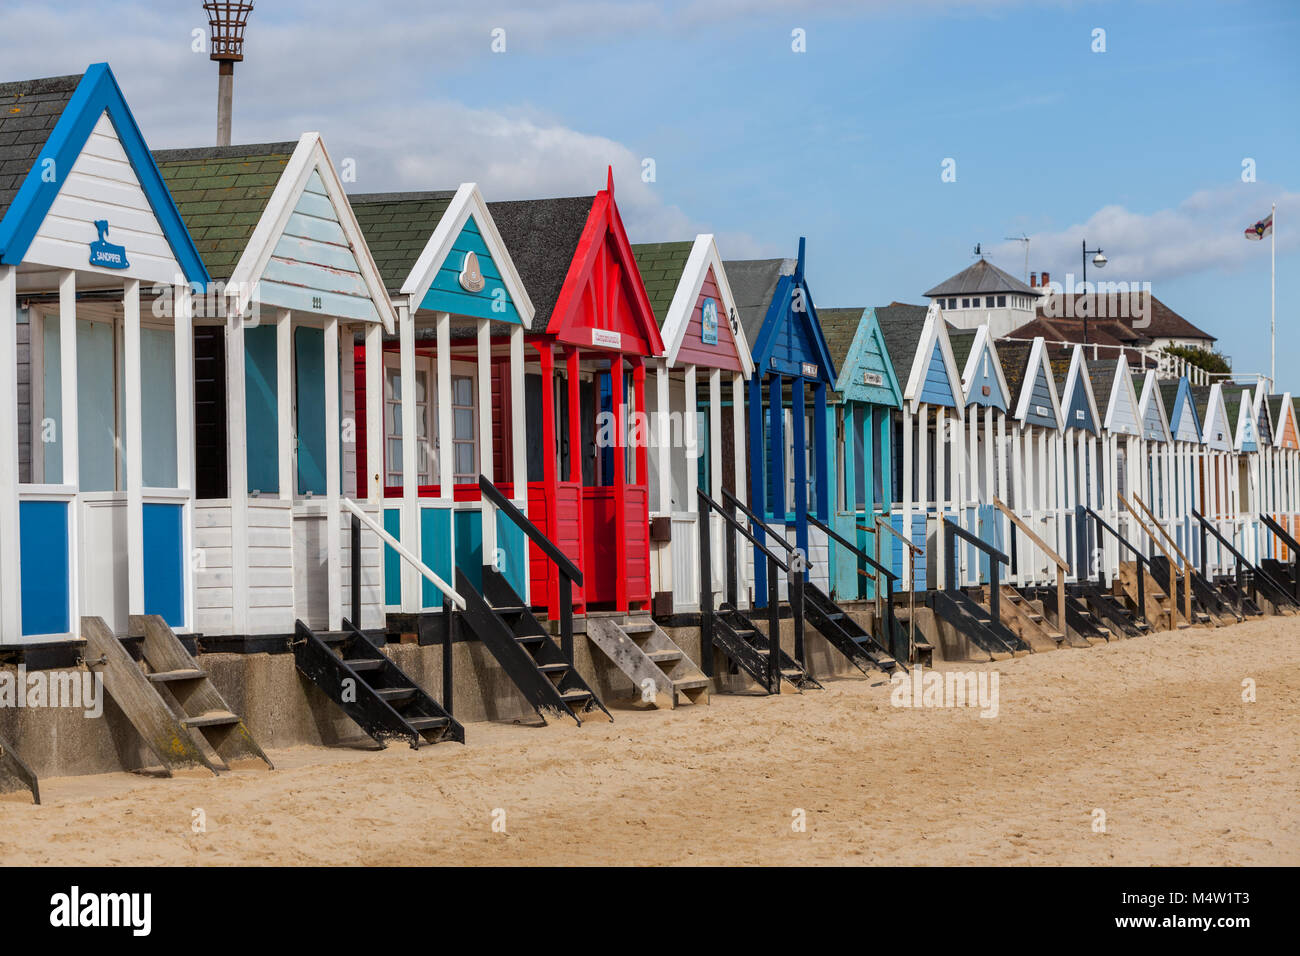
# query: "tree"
{"points": [[1213, 362]]}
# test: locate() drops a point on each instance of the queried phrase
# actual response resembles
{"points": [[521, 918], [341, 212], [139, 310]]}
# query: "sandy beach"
{"points": [[1151, 731]]}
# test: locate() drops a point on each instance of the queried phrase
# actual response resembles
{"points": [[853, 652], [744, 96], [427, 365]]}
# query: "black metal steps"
{"points": [[531, 659], [371, 689], [845, 634], [738, 637]]}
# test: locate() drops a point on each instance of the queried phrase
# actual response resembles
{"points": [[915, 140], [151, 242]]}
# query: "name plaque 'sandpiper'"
{"points": [[606, 338], [105, 254]]}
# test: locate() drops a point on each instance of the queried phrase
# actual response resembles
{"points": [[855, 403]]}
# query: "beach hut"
{"points": [[1155, 462], [97, 509], [988, 402], [1240, 407], [1217, 477], [1283, 470], [928, 468], [1121, 433], [1082, 462], [788, 441], [1185, 447], [453, 379], [1035, 458], [697, 398], [584, 394], [274, 412], [865, 399]]}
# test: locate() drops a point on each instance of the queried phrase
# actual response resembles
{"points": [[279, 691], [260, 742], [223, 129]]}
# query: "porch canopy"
{"points": [[96, 267]]}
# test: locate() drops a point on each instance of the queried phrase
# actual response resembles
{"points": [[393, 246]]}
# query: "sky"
{"points": [[1158, 139]]}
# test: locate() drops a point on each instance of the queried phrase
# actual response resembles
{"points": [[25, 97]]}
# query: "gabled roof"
{"points": [[61, 113], [1147, 385], [901, 325], [1241, 416], [270, 266], [934, 335], [981, 277], [1109, 380], [980, 343], [398, 227], [430, 281], [1121, 316], [542, 236], [1037, 363], [1216, 428], [1177, 395], [850, 333], [222, 192], [1079, 375], [685, 266], [1283, 411], [789, 318]]}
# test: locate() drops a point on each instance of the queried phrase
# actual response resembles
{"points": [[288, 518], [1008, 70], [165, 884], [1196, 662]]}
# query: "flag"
{"points": [[1261, 228]]}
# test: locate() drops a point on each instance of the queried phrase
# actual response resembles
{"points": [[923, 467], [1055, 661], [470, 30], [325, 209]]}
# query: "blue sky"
{"points": [[1139, 148]]}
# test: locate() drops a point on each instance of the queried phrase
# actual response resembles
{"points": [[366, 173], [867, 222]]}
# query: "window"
{"points": [[965, 303], [988, 302], [1002, 301], [464, 421], [952, 303], [464, 446]]}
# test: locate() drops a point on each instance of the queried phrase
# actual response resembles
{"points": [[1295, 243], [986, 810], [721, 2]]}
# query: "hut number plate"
{"points": [[872, 378]]}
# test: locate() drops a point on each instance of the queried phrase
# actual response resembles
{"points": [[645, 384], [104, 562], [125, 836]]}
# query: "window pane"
{"points": [[464, 458], [463, 423]]}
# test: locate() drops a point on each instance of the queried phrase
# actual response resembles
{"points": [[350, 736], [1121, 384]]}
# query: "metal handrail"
{"points": [[951, 530], [861, 555], [1173, 565], [882, 523], [713, 505], [1062, 566], [1280, 532], [1137, 553], [732, 500], [1207, 525], [448, 591], [535, 534]]}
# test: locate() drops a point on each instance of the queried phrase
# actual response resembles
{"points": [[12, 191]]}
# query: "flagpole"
{"points": [[1272, 307]]}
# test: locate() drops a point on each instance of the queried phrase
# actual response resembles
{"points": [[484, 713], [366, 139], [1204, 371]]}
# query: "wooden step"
{"points": [[638, 627], [665, 656], [167, 677], [691, 683], [213, 718]]}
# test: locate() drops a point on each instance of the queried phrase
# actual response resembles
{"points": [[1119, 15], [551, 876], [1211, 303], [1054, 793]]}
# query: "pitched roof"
{"points": [[397, 226], [1015, 365], [1169, 392], [901, 327], [962, 341], [221, 192], [29, 110], [982, 276], [1107, 312], [542, 236], [753, 283], [839, 328], [661, 265]]}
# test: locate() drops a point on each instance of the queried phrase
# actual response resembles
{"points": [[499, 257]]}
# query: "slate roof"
{"points": [[1102, 374], [900, 326], [397, 227], [542, 236], [1169, 392], [1015, 365], [29, 110], [1201, 397], [1275, 410], [661, 265], [982, 276], [221, 192], [753, 283], [839, 328], [962, 341]]}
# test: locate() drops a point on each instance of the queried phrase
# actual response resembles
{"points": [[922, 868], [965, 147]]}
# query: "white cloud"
{"points": [[1204, 232]]}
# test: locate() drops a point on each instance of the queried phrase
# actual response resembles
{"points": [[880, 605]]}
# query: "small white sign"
{"points": [[1042, 410], [872, 378], [606, 339], [809, 370]]}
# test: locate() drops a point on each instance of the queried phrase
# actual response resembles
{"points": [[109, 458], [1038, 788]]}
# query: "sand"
{"points": [[1152, 731]]}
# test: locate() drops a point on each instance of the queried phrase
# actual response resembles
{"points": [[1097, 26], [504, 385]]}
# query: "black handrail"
{"points": [[735, 502], [1281, 534], [890, 577], [1256, 571], [1142, 558], [794, 578], [570, 573], [953, 530], [538, 537]]}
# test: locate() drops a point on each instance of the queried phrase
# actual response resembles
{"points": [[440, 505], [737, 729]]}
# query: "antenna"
{"points": [[978, 251], [1025, 239]]}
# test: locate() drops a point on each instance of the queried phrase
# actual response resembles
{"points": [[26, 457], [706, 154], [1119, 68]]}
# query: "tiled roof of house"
{"points": [[542, 236], [221, 192], [1121, 316], [661, 265], [29, 110], [397, 227], [980, 277]]}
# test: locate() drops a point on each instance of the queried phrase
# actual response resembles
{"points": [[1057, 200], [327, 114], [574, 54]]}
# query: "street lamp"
{"points": [[1099, 261], [226, 22]]}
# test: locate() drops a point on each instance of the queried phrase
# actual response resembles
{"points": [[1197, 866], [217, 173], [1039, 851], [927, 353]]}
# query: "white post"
{"points": [[134, 447], [237, 465], [908, 475], [692, 439], [284, 403], [742, 492], [410, 537], [485, 464], [663, 436], [70, 436], [519, 415], [11, 624], [446, 477], [333, 478], [373, 481], [183, 340]]}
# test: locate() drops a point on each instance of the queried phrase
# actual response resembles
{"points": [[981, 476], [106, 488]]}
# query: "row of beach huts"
{"points": [[277, 459]]}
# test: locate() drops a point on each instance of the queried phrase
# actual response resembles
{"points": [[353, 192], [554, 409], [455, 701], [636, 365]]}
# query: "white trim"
{"points": [[934, 325], [134, 437], [1150, 387], [1123, 379], [704, 255], [1038, 357], [1245, 414], [333, 479], [467, 201], [375, 424], [983, 342], [1078, 365], [284, 405], [11, 622], [308, 156], [1279, 428]]}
